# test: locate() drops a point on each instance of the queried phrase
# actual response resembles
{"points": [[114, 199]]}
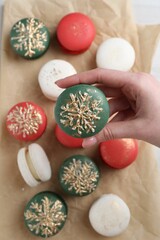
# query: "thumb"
{"points": [[113, 130]]}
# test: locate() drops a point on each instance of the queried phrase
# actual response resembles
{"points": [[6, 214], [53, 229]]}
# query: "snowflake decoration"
{"points": [[80, 176], [30, 36], [81, 112], [45, 218], [24, 120]]}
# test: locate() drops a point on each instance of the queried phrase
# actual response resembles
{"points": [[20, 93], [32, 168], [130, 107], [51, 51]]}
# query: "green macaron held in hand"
{"points": [[29, 38], [82, 111]]}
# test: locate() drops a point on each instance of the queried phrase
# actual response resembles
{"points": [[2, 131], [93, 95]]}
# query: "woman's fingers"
{"points": [[108, 91], [123, 115], [111, 78], [118, 105], [114, 130]]}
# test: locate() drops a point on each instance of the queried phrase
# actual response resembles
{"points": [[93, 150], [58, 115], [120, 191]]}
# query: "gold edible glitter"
{"points": [[45, 218], [24, 120], [81, 112], [81, 177], [29, 37]]}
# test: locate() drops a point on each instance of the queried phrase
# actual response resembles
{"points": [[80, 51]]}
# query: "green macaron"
{"points": [[78, 175], [29, 38], [82, 110], [45, 214]]}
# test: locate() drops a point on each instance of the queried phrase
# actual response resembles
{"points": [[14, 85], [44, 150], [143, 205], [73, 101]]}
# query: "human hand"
{"points": [[134, 100]]}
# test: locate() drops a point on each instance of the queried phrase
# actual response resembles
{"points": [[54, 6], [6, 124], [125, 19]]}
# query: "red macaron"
{"points": [[75, 32], [26, 121], [67, 140], [119, 153]]}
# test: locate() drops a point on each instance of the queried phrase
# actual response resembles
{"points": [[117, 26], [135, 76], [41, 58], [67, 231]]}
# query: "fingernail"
{"points": [[56, 82], [88, 142]]}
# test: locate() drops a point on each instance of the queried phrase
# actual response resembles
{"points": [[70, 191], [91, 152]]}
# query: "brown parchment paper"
{"points": [[138, 184]]}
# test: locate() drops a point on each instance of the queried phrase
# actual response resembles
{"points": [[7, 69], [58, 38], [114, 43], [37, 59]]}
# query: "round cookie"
{"points": [[50, 73], [67, 140], [116, 54], [33, 164], [75, 32], [109, 215], [45, 214], [26, 121], [29, 38], [78, 175], [82, 111], [119, 153]]}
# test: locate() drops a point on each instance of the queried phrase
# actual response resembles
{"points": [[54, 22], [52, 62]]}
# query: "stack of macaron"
{"points": [[81, 111]]}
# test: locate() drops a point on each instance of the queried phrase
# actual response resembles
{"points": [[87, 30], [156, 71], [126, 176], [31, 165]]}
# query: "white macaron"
{"points": [[109, 215], [50, 73], [34, 165], [115, 53]]}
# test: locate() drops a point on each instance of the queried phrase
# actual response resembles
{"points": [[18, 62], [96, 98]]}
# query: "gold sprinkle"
{"points": [[29, 37], [81, 112], [24, 120], [81, 177], [45, 218]]}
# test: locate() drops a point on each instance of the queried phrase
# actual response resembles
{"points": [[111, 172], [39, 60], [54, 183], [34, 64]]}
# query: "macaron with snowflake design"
{"points": [[29, 38], [45, 214], [82, 111], [26, 121], [79, 175]]}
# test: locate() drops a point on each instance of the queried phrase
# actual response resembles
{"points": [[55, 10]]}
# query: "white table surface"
{"points": [[146, 12]]}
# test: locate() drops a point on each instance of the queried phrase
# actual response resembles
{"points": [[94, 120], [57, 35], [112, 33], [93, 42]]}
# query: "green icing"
{"points": [[79, 175], [45, 214], [29, 38], [82, 111]]}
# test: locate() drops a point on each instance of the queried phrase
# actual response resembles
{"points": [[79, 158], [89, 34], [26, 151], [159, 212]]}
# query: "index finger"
{"points": [[111, 78]]}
